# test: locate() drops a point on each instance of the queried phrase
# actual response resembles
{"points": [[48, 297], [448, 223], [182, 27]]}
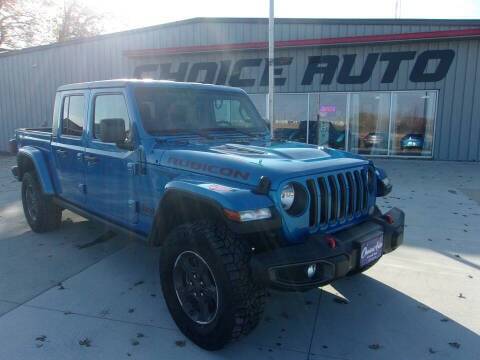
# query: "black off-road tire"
{"points": [[240, 300], [47, 215]]}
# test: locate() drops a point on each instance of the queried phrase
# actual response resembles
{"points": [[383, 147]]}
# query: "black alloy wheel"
{"points": [[195, 287]]}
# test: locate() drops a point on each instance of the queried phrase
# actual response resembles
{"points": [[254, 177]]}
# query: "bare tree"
{"points": [[26, 23], [19, 24], [75, 20]]}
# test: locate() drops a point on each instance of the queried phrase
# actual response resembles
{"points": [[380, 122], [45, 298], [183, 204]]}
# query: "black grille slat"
{"points": [[312, 189], [365, 190], [343, 195], [352, 190], [324, 200], [338, 197], [334, 198], [358, 182]]}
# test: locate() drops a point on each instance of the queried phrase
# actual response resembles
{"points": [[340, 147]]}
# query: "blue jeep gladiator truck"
{"points": [[192, 168]]}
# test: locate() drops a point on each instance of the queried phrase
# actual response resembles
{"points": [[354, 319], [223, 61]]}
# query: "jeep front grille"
{"points": [[339, 197]]}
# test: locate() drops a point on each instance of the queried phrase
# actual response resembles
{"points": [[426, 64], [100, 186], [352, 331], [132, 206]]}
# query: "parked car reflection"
{"points": [[412, 142], [375, 139]]}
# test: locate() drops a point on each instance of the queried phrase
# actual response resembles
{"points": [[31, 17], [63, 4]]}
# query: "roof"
{"points": [[116, 83], [199, 20]]}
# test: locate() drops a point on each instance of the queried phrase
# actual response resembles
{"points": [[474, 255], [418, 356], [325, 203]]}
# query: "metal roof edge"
{"points": [[196, 20]]}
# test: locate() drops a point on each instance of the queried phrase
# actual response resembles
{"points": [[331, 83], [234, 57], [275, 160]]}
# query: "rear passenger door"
{"points": [[110, 182], [68, 147]]}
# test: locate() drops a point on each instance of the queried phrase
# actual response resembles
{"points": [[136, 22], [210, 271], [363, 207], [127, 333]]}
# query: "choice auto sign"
{"points": [[428, 66]]}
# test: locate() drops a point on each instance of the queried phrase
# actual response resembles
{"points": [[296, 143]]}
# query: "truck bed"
{"points": [[39, 138], [27, 135]]}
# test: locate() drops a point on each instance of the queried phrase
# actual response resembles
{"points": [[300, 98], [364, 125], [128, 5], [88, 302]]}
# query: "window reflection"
{"points": [[398, 123], [412, 123], [291, 114], [369, 122], [329, 127]]}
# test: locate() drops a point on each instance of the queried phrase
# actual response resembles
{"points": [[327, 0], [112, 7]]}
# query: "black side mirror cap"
{"points": [[384, 187], [112, 131]]}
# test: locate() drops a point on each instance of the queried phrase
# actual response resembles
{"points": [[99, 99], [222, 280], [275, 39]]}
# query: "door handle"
{"points": [[90, 159], [61, 152]]}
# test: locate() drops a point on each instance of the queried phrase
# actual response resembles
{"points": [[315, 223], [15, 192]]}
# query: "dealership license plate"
{"points": [[371, 250]]}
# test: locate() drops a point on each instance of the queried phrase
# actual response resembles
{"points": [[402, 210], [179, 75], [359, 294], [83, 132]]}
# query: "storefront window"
{"points": [[291, 115], [398, 123], [413, 115], [330, 119], [369, 123]]}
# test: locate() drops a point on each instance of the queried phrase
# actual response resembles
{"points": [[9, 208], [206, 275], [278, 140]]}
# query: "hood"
{"points": [[247, 163]]}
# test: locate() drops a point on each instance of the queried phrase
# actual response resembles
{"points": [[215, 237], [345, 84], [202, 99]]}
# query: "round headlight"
{"points": [[287, 196], [294, 198]]}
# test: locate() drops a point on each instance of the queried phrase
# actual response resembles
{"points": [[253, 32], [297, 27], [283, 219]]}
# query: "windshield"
{"points": [[165, 111]]}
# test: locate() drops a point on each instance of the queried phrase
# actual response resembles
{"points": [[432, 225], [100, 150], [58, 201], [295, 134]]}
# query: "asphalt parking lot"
{"points": [[84, 292]]}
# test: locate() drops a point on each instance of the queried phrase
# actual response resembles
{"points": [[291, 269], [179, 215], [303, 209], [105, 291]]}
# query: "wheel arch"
{"points": [[178, 207], [30, 158]]}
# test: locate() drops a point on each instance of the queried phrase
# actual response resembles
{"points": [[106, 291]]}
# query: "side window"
{"points": [[110, 106], [73, 115]]}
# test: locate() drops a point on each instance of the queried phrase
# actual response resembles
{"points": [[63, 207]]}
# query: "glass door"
{"points": [[413, 114], [328, 120], [369, 117], [291, 115]]}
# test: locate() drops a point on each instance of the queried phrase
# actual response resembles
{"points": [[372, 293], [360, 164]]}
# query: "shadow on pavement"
{"points": [[366, 319]]}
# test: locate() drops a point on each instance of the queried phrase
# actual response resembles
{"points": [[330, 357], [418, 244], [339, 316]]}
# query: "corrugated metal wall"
{"points": [[29, 78]]}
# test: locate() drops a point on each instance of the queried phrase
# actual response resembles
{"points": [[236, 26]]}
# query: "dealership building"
{"points": [[394, 88]]}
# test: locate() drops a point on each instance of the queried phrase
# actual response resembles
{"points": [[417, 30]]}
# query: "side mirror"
{"points": [[113, 131], [384, 186]]}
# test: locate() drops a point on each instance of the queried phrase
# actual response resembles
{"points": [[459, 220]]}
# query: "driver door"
{"points": [[110, 184]]}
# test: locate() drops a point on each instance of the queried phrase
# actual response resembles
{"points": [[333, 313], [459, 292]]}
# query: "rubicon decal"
{"points": [[426, 66], [208, 168]]}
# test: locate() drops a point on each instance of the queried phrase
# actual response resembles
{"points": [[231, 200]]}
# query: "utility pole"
{"points": [[398, 9], [271, 80]]}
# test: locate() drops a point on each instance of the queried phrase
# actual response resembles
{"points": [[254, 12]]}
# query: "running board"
{"points": [[109, 224]]}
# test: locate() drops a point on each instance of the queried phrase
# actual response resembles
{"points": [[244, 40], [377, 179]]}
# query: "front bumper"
{"points": [[286, 268]]}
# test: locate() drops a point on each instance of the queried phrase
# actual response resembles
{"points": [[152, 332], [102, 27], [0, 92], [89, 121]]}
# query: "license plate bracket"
{"points": [[371, 249]]}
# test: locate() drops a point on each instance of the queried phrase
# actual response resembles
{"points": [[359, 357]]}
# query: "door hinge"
{"points": [[133, 205], [82, 188], [133, 169], [133, 209]]}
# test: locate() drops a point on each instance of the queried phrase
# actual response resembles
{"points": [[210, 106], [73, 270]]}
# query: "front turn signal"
{"points": [[248, 215]]}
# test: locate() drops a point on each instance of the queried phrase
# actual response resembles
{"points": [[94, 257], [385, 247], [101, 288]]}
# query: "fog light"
{"points": [[311, 270]]}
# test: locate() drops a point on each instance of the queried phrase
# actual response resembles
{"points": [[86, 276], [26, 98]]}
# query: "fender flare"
{"points": [[160, 225], [37, 158], [215, 201]]}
